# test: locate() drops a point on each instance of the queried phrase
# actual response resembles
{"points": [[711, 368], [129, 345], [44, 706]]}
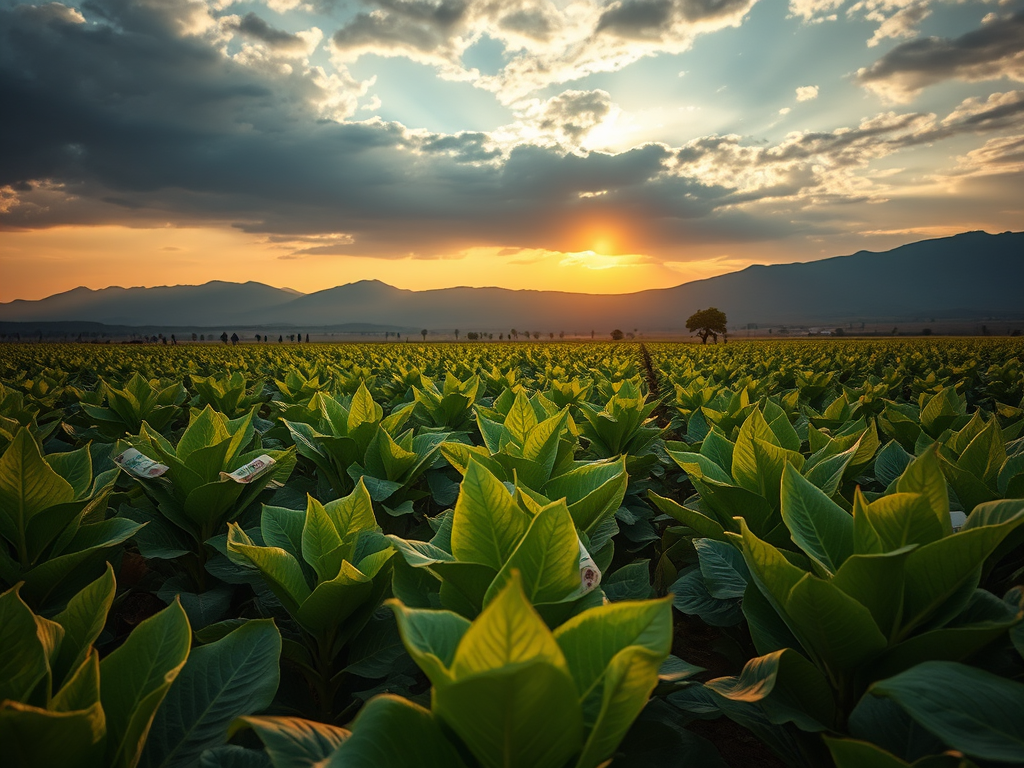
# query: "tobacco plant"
{"points": [[330, 568], [54, 532]]}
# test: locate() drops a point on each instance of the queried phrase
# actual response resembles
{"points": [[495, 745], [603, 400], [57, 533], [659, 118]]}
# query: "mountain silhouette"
{"points": [[969, 275]]}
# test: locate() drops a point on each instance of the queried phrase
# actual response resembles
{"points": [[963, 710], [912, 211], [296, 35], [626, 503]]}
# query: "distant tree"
{"points": [[838, 332], [617, 335], [984, 330], [456, 334], [501, 337], [202, 337], [224, 337], [234, 339], [423, 333], [257, 337], [630, 335], [513, 334], [591, 335], [707, 322], [194, 337], [926, 332], [895, 330], [536, 335], [551, 335], [174, 339], [1015, 332], [561, 334], [472, 335], [280, 339], [307, 338]]}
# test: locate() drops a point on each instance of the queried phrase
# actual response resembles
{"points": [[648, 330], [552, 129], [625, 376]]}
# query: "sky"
{"points": [[602, 146]]}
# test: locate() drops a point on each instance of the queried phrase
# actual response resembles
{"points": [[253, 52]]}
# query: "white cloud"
{"points": [[814, 10], [806, 92], [902, 24]]}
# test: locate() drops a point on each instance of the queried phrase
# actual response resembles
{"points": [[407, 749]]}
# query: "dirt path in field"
{"points": [[661, 413]]}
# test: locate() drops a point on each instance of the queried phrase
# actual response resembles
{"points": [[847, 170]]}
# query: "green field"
{"points": [[548, 555]]}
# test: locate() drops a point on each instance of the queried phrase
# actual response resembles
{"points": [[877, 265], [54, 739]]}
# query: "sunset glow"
{"points": [[592, 146]]}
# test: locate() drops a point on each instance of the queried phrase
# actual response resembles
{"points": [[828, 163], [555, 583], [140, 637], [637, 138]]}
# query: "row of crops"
{"points": [[484, 556]]}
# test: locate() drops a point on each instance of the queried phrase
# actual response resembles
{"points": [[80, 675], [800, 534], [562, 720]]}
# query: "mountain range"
{"points": [[970, 275]]}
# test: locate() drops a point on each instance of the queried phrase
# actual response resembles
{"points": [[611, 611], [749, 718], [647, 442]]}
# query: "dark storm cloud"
{"points": [[643, 19], [254, 27], [141, 119], [403, 24], [994, 51], [465, 147], [529, 22], [137, 117], [574, 113]]}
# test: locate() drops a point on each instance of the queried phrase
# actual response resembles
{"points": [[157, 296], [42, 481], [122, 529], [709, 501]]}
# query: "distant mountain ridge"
{"points": [[969, 275]]}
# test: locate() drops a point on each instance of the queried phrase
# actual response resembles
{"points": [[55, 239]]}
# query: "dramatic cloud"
{"points": [[901, 24], [992, 52], [150, 113], [543, 44], [252, 26]]}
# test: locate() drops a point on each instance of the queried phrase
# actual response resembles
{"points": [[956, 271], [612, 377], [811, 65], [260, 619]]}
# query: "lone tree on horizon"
{"points": [[424, 334], [707, 322]]}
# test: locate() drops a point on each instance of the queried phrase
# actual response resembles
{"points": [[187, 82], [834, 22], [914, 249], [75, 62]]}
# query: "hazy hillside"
{"points": [[193, 305], [969, 275]]}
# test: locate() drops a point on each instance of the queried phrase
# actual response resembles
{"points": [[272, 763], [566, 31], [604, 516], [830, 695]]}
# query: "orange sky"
{"points": [[39, 263]]}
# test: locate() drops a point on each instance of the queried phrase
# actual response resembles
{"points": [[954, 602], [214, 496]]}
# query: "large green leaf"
{"points": [[24, 661], [508, 631], [851, 753], [591, 639], [27, 487], [396, 733], [876, 582], [819, 526], [924, 476], [698, 521], [487, 525], [292, 742], [787, 686], [631, 676], [431, 638], [234, 676], [204, 430], [83, 619], [332, 602], [32, 736], [973, 711], [939, 570], [593, 491], [520, 715], [547, 558], [985, 619], [899, 519], [135, 679], [320, 538], [281, 570], [832, 626]]}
